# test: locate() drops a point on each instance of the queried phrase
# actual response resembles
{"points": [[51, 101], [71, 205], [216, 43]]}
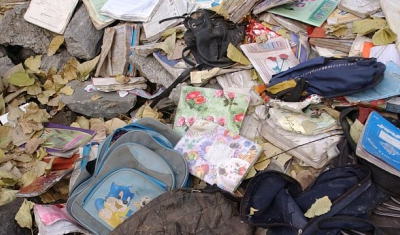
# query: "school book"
{"points": [[311, 12], [225, 107], [379, 143], [99, 20], [128, 10], [53, 15], [270, 57], [216, 155]]}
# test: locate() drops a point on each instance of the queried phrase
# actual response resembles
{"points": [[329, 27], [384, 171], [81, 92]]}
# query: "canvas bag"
{"points": [[328, 77], [207, 37], [276, 201], [139, 166], [187, 211]]}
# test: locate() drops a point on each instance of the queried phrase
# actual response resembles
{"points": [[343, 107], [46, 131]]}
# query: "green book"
{"points": [[313, 12]]}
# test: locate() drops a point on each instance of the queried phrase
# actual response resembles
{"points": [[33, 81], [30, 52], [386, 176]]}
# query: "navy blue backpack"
{"points": [[328, 77], [276, 202]]}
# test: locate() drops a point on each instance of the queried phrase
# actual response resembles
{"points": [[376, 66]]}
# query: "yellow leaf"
{"points": [[69, 70], [7, 195], [252, 211], [23, 216], [7, 178], [383, 37], [44, 97], [21, 78], [122, 79], [55, 43], [14, 113], [52, 71], [67, 90], [95, 97], [236, 55], [85, 68], [262, 163], [28, 126], [59, 79], [252, 172], [83, 122], [41, 153], [55, 101], [168, 46], [321, 206], [34, 89], [33, 63], [2, 105], [114, 124], [34, 113], [33, 144]]}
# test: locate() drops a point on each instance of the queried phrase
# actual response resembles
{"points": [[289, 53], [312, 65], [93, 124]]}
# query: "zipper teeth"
{"points": [[325, 68]]}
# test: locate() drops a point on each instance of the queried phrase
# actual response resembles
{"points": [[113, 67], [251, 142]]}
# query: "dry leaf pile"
{"points": [[31, 98]]}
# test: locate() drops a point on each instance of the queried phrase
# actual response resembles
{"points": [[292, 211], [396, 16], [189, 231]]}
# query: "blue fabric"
{"points": [[331, 77]]}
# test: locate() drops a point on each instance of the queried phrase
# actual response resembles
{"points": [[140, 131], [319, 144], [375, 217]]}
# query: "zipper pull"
{"points": [[299, 232]]}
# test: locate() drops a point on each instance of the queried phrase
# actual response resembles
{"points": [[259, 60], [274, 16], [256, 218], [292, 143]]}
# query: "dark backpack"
{"points": [[276, 201], [207, 37], [328, 77]]}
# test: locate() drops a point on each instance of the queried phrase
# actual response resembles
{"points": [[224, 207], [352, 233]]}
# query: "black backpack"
{"points": [[276, 201], [207, 38]]}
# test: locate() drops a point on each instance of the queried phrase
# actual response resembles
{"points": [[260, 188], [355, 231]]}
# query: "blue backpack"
{"points": [[328, 77], [134, 165]]}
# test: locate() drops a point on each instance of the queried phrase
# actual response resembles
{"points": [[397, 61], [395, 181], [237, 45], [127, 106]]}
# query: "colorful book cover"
{"points": [[313, 12], [270, 57], [216, 155], [225, 107], [382, 140]]}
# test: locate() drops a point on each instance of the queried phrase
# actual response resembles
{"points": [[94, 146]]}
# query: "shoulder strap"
{"points": [[183, 77]]}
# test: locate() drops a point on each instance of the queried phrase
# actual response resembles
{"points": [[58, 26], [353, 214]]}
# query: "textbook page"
{"points": [[168, 8], [128, 10], [52, 15]]}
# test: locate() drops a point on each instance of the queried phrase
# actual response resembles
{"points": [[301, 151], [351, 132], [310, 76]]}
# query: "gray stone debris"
{"points": [[57, 61], [14, 30], [83, 40], [152, 70], [109, 106], [5, 62]]}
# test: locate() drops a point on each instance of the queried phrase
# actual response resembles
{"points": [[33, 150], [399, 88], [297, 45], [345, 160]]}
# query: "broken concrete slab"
{"points": [[57, 61], [110, 104], [16, 31], [83, 40], [151, 69]]}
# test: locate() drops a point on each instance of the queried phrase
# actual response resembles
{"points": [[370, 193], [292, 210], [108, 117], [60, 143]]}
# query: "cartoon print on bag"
{"points": [[114, 208], [142, 202]]}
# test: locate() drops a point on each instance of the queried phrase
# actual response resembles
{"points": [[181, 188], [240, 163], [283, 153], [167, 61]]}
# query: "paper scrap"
{"points": [[236, 55]]}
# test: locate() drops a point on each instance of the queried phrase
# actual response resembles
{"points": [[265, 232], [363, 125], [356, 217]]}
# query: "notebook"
{"points": [[379, 143], [53, 15], [216, 155]]}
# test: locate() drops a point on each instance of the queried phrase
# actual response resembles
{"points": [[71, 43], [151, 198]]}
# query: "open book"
{"points": [[127, 10], [168, 8], [52, 15]]}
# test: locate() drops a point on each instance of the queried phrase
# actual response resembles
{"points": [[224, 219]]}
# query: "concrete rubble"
{"points": [[49, 78]]}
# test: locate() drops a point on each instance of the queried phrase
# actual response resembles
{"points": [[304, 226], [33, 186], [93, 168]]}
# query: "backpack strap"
{"points": [[291, 94], [348, 225], [183, 77]]}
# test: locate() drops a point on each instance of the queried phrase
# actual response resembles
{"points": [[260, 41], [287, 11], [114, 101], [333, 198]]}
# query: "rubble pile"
{"points": [[72, 72]]}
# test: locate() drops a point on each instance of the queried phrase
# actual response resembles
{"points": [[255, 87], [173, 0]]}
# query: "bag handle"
{"points": [[351, 225]]}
